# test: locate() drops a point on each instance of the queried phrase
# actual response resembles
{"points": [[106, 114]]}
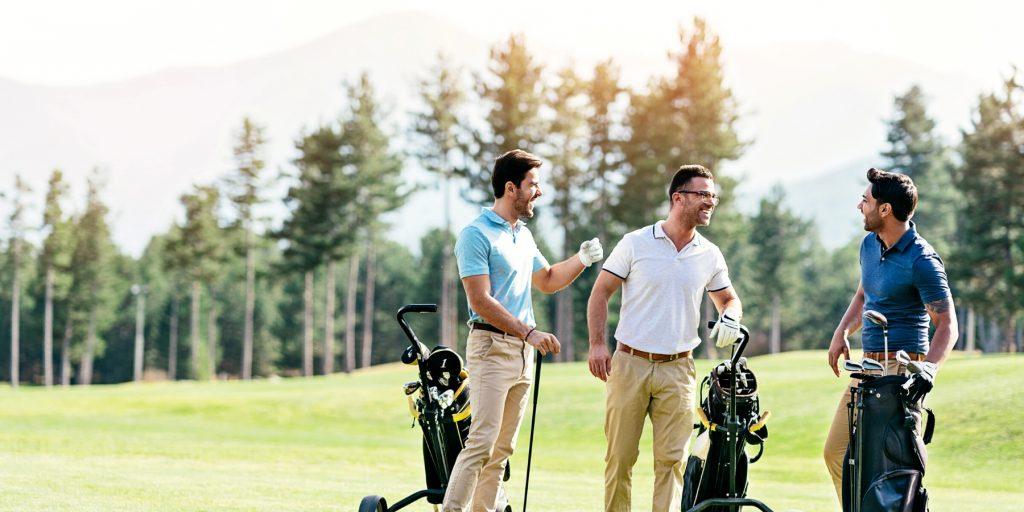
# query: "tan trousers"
{"points": [[638, 388], [839, 432], [500, 373]]}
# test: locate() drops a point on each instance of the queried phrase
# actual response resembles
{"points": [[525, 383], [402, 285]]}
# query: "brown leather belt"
{"points": [[486, 327], [880, 356], [654, 358]]}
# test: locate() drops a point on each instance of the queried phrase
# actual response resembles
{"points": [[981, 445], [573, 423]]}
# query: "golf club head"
{"points": [[876, 318], [914, 367], [852, 366], [902, 357], [870, 364]]}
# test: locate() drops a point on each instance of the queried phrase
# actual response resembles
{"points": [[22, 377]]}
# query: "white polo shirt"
{"points": [[663, 288]]}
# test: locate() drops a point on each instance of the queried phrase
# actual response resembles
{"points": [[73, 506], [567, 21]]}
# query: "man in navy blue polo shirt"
{"points": [[903, 278]]}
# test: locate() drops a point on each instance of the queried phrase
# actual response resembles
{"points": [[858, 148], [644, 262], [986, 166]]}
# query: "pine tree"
{"points": [[55, 262], [245, 191], [916, 150], [511, 94], [991, 226], [441, 135], [92, 270]]}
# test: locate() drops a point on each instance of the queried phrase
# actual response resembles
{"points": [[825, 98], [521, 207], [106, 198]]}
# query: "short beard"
{"points": [[522, 206]]}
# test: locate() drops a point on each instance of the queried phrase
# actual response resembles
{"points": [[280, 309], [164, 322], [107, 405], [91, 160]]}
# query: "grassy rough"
{"points": [[323, 443]]}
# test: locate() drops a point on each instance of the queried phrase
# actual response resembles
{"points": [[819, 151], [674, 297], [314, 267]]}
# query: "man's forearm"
{"points": [[597, 318], [495, 314], [562, 274], [852, 318], [943, 315]]}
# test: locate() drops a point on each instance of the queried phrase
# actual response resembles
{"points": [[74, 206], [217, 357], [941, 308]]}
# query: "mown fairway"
{"points": [[323, 443]]}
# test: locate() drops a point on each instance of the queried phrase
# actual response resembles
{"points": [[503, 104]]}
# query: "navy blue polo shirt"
{"points": [[898, 282]]}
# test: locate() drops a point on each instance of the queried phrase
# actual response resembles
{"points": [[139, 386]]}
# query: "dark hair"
{"points": [[512, 166], [687, 173], [896, 189]]}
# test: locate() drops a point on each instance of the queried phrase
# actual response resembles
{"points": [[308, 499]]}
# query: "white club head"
{"points": [[851, 366], [871, 365], [876, 318], [902, 357]]}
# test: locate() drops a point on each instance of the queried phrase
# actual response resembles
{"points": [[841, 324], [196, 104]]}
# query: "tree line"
{"points": [[226, 293]]}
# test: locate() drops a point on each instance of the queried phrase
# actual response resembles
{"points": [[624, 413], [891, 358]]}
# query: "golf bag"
{"points": [[707, 469], [886, 450], [444, 418]]}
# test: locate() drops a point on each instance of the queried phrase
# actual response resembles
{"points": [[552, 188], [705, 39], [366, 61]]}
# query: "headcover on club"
{"points": [[444, 368]]}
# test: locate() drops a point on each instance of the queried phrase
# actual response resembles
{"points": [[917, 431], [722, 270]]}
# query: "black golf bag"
{"points": [[444, 417], [886, 449], [707, 469]]}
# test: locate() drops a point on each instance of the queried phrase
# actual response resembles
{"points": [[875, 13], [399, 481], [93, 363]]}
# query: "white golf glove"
{"points": [[591, 252], [727, 330]]}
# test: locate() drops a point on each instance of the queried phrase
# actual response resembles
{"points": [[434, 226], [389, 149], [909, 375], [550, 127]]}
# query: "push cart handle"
{"points": [[413, 308]]}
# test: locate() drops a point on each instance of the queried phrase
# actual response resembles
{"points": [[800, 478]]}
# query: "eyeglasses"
{"points": [[705, 196]]}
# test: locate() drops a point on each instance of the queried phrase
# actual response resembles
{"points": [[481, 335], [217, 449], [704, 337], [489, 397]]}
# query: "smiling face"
{"points": [[693, 209], [526, 194], [872, 211]]}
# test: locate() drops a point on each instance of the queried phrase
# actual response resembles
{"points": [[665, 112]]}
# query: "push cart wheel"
{"points": [[373, 504]]}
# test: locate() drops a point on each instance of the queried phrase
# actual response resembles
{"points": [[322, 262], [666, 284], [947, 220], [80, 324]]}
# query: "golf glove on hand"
{"points": [[922, 382], [727, 329], [591, 252]]}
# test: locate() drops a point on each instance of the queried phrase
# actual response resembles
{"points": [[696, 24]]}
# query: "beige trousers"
{"points": [[839, 432], [500, 373], [638, 388]]}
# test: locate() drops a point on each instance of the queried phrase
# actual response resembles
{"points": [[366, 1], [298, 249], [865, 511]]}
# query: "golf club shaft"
{"points": [[533, 422]]}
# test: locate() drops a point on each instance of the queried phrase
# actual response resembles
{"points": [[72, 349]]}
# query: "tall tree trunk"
{"points": [[85, 377], [211, 337], [250, 306], [330, 293], [15, 316], [65, 352], [449, 306], [307, 325], [172, 344], [775, 342], [140, 339], [969, 348], [194, 329], [371, 276], [48, 330], [1009, 344], [350, 313]]}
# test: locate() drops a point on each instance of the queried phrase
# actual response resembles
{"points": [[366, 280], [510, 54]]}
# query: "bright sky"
{"points": [[56, 42]]}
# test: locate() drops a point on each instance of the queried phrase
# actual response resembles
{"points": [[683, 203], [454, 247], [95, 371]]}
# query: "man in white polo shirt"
{"points": [[663, 270]]}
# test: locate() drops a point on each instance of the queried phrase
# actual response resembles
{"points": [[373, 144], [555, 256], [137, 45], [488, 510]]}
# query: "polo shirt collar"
{"points": [[657, 231], [490, 215], [906, 239]]}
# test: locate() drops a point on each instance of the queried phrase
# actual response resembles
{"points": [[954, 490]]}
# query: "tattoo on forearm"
{"points": [[939, 306]]}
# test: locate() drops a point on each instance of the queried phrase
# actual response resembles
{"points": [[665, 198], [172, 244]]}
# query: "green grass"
{"points": [[323, 443]]}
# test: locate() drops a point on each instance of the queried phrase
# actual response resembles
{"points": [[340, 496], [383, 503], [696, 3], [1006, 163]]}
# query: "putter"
{"points": [[879, 319]]}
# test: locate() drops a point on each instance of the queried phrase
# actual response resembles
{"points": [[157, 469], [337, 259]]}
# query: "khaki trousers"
{"points": [[839, 432], [638, 388], [500, 373]]}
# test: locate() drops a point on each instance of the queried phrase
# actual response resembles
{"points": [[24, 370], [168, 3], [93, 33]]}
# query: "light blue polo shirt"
{"points": [[491, 246]]}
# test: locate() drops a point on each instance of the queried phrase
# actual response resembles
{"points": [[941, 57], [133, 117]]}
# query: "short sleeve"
{"points": [[720, 276], [620, 260], [539, 261], [930, 278], [471, 253]]}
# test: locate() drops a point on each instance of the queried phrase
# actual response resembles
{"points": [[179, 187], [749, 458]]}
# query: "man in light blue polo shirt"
{"points": [[499, 263], [903, 278]]}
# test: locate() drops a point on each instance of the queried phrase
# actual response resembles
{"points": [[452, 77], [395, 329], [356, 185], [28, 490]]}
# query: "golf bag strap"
{"points": [[929, 427]]}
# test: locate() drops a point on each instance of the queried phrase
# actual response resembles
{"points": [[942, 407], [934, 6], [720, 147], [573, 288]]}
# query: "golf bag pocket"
{"points": [[903, 448], [889, 492]]}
